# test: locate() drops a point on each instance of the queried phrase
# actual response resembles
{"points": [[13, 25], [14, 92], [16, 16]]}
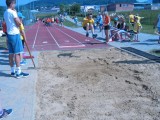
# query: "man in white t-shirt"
{"points": [[14, 42]]}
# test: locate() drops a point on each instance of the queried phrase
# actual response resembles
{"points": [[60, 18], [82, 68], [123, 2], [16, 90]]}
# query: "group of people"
{"points": [[57, 19], [113, 30]]}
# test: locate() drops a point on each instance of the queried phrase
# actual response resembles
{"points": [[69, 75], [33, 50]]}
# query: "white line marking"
{"points": [[67, 41], [35, 37], [44, 42], [65, 46], [53, 37], [70, 36], [72, 46], [87, 40]]}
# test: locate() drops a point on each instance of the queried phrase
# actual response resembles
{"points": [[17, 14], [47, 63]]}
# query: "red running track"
{"points": [[41, 38]]}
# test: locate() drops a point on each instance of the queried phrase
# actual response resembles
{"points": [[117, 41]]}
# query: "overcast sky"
{"points": [[20, 2]]}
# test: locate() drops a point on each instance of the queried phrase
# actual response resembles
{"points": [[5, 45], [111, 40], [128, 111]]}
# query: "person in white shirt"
{"points": [[14, 41]]}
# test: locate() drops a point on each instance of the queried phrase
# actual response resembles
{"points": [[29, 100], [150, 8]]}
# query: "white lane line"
{"points": [[44, 42], [64, 46], [70, 37], [35, 37], [53, 37], [72, 46]]}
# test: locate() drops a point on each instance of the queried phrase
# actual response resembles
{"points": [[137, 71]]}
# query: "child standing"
{"points": [[23, 37], [106, 24]]}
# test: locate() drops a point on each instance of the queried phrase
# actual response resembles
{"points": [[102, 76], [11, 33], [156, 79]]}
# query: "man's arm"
{"points": [[16, 18], [17, 21]]}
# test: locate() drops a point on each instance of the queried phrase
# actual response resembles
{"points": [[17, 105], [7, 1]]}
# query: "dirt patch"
{"points": [[99, 84]]}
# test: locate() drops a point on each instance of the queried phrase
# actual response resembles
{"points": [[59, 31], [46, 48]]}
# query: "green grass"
{"points": [[145, 28], [45, 15], [70, 24], [155, 52]]}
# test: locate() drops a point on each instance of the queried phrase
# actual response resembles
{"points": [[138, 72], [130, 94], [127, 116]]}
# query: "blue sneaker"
{"points": [[13, 74], [23, 62], [22, 75], [5, 113]]}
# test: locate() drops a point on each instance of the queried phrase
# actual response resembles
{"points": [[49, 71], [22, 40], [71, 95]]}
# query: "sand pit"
{"points": [[97, 84]]}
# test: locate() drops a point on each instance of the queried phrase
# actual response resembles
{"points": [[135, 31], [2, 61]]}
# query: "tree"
{"points": [[62, 8], [75, 8], [2, 9]]}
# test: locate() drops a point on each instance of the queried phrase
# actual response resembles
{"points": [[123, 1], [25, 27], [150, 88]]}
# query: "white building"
{"points": [[86, 8]]}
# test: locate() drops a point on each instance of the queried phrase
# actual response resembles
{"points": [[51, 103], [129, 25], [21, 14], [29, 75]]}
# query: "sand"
{"points": [[97, 84]]}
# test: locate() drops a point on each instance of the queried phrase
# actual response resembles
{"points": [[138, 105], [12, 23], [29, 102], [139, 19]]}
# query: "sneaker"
{"points": [[13, 74], [6, 113], [23, 62], [94, 35], [22, 75], [87, 34]]}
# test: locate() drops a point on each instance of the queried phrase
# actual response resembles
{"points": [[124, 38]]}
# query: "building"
{"points": [[103, 8], [90, 8], [142, 6], [117, 7], [155, 7]]}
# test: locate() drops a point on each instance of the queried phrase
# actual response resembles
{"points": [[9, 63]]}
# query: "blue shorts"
{"points": [[14, 44]]}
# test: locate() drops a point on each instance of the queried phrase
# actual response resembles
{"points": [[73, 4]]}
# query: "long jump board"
{"points": [[142, 53]]}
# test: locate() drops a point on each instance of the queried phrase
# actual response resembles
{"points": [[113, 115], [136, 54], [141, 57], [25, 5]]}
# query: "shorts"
{"points": [[14, 44], [132, 23], [85, 28], [107, 27]]}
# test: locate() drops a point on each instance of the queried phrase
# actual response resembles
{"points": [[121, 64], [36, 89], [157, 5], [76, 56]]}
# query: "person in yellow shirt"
{"points": [[139, 18], [137, 25], [88, 24], [23, 36], [136, 30], [131, 19]]}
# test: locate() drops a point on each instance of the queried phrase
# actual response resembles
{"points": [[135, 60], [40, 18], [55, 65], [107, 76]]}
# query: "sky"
{"points": [[149, 1], [23, 2], [20, 2]]}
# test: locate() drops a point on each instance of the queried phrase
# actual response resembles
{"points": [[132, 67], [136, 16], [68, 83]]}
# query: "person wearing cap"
{"points": [[131, 19], [23, 36], [14, 42]]}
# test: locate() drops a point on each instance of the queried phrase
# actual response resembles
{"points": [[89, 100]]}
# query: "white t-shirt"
{"points": [[158, 24], [9, 16]]}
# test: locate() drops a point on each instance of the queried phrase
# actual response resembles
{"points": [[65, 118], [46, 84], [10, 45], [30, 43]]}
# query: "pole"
{"points": [[30, 53]]}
